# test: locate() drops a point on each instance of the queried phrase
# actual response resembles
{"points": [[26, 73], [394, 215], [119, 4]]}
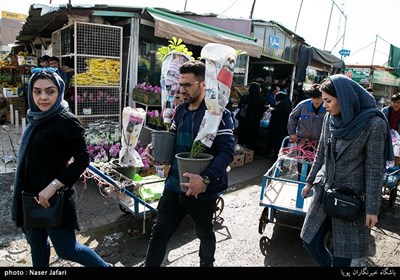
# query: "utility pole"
{"points": [[298, 16], [184, 8], [252, 9], [373, 54], [329, 23]]}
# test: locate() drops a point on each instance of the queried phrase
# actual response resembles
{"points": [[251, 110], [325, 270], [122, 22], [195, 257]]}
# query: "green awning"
{"points": [[199, 34]]}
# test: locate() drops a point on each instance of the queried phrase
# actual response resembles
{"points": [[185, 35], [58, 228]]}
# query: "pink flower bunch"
{"points": [[154, 117], [147, 87], [103, 152], [142, 153]]}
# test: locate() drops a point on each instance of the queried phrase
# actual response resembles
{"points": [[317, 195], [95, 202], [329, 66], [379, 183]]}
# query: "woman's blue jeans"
{"points": [[318, 250], [65, 245], [172, 208]]}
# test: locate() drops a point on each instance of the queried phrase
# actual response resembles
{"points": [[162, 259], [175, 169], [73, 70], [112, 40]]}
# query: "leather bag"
{"points": [[342, 203], [36, 216]]}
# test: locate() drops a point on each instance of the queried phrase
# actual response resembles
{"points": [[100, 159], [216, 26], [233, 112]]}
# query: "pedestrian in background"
{"points": [[392, 112], [200, 199], [353, 149], [44, 61], [277, 129], [305, 122], [249, 125], [52, 137], [65, 72]]}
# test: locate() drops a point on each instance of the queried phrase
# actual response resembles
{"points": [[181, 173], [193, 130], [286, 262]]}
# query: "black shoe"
{"points": [[203, 264]]}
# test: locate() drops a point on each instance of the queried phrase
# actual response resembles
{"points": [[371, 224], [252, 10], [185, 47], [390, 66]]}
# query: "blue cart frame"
{"points": [[280, 191], [140, 206]]}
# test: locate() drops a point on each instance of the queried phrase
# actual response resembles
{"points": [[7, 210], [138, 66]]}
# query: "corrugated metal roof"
{"points": [[43, 20]]}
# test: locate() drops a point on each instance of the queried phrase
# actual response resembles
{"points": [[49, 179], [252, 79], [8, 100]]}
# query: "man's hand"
{"points": [[195, 185]]}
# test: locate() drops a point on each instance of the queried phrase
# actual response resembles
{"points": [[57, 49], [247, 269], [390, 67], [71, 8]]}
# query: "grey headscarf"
{"points": [[357, 106]]}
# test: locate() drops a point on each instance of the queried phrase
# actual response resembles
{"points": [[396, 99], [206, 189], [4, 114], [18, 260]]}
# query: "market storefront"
{"points": [[383, 81], [277, 64]]}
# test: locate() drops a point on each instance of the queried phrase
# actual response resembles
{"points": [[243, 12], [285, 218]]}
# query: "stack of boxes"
{"points": [[240, 159]]}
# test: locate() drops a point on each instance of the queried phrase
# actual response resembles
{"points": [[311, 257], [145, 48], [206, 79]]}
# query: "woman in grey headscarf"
{"points": [[353, 149]]}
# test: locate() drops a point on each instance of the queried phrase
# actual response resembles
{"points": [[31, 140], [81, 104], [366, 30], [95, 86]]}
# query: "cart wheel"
{"points": [[263, 221], [123, 209], [219, 207], [392, 196]]}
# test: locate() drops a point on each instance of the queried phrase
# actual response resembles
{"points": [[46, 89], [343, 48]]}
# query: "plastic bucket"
{"points": [[163, 146], [191, 165]]}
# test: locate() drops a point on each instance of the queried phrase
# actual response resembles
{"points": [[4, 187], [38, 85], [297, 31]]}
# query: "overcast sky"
{"points": [[367, 21]]}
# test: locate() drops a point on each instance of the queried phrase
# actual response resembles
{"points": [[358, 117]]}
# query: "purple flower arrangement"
{"points": [[99, 97], [147, 87], [103, 141]]}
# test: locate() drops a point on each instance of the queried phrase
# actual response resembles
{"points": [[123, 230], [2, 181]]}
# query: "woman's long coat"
{"points": [[359, 165]]}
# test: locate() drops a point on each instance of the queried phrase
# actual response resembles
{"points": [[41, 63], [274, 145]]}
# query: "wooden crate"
{"points": [[238, 160], [248, 156]]}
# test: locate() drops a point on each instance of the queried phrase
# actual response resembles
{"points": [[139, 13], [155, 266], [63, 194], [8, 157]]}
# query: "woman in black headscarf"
{"points": [[249, 126], [277, 129]]}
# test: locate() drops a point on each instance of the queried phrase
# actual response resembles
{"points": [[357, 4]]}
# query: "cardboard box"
{"points": [[10, 92], [238, 160], [248, 155], [162, 170]]}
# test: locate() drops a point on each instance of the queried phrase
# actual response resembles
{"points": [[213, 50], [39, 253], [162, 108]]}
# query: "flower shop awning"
{"points": [[196, 33]]}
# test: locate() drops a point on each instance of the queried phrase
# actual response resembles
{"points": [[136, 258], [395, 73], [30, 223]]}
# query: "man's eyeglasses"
{"points": [[43, 69], [187, 86]]}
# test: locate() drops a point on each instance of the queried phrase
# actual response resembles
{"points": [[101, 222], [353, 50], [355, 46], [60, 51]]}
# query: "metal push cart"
{"points": [[391, 181], [282, 185], [126, 191], [283, 182], [123, 189]]}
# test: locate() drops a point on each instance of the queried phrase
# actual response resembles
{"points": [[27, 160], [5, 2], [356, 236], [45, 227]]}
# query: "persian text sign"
{"points": [[385, 78], [359, 75]]}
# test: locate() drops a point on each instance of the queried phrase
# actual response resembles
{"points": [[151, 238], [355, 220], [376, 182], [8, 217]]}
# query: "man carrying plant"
{"points": [[203, 189]]}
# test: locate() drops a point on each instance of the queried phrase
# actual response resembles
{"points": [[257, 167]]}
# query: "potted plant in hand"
{"points": [[195, 161]]}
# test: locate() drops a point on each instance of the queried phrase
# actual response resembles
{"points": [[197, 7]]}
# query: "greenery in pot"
{"points": [[197, 148]]}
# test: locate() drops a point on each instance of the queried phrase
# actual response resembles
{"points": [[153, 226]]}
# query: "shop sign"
{"points": [[385, 78], [273, 42], [344, 52], [13, 16], [359, 75]]}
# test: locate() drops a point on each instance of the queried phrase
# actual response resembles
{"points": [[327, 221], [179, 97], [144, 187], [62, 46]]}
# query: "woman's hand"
{"points": [[306, 191], [45, 195], [371, 220]]}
